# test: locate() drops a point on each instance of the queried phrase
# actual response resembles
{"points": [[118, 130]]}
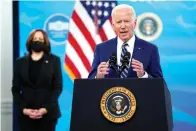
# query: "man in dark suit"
{"points": [[144, 60]]}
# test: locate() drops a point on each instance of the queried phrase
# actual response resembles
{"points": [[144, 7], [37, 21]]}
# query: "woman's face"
{"points": [[37, 44], [38, 36]]}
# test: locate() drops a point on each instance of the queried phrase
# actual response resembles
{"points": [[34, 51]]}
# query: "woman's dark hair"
{"points": [[46, 40]]}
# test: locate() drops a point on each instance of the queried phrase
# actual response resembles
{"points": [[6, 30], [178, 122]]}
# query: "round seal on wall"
{"points": [[149, 26], [57, 26]]}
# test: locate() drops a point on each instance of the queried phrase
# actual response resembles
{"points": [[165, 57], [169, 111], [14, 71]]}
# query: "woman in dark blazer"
{"points": [[37, 84]]}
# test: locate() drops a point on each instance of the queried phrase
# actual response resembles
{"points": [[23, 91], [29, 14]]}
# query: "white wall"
{"points": [[6, 64]]}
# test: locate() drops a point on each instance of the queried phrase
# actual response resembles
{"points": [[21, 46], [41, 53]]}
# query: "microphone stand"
{"points": [[119, 69], [116, 70]]}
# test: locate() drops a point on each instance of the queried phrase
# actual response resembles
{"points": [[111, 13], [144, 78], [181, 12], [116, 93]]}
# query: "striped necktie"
{"points": [[124, 73]]}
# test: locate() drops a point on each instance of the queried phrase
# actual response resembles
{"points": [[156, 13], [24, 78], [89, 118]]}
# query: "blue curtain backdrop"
{"points": [[176, 43]]}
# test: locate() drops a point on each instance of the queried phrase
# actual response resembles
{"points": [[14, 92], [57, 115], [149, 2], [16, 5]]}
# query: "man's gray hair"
{"points": [[132, 11]]}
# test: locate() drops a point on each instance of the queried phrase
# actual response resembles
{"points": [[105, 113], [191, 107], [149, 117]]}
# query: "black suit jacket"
{"points": [[43, 94]]}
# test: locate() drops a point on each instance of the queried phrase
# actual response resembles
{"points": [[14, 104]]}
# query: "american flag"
{"points": [[90, 25]]}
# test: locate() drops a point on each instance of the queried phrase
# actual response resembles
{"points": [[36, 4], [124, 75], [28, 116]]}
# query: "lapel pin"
{"points": [[139, 48], [46, 61]]}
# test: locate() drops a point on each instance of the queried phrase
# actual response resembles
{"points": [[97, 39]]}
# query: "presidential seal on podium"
{"points": [[118, 104]]}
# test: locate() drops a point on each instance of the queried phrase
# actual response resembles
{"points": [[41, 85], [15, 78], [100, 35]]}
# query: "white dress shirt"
{"points": [[129, 48]]}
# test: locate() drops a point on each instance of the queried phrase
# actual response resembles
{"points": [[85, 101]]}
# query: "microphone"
{"points": [[113, 60], [113, 63], [125, 61]]}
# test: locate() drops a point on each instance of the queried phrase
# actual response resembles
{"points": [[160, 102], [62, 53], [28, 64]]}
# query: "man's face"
{"points": [[123, 24]]}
